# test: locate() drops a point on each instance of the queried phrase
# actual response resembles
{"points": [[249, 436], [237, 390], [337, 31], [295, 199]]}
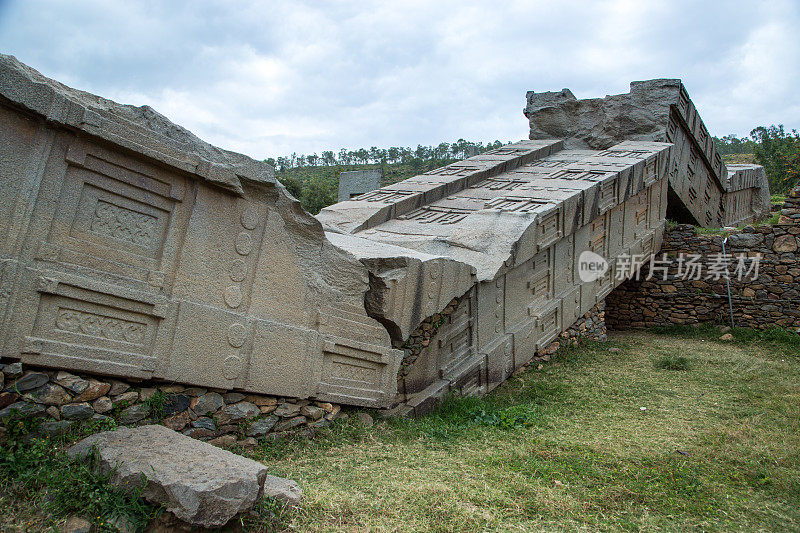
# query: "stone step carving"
{"points": [[702, 189]]}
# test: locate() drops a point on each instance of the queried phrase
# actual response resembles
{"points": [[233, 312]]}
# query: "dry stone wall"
{"points": [[773, 299], [68, 402]]}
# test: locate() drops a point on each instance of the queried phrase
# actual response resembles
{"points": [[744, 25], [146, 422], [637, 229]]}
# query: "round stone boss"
{"points": [[250, 218], [233, 296], [244, 243], [232, 367], [237, 334], [238, 270]]}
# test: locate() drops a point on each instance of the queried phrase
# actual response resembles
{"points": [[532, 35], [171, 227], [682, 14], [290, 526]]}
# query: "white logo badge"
{"points": [[591, 266]]}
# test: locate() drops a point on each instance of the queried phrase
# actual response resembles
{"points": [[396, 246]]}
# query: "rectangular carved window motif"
{"points": [[386, 197], [554, 163], [639, 154], [588, 175], [515, 204], [437, 215], [494, 184], [454, 170]]}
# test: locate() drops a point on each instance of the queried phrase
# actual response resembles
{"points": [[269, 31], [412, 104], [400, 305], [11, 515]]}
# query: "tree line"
{"points": [[460, 149], [774, 148]]}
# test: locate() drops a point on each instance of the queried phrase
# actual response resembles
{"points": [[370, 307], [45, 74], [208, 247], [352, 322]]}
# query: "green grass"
{"points": [[563, 446], [40, 487], [717, 447]]}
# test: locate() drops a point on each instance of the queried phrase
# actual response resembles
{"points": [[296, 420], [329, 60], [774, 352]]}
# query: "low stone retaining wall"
{"points": [[773, 299], [67, 401], [591, 326]]}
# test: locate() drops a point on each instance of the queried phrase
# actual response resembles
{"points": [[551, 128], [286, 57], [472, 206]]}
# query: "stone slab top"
{"points": [[138, 129], [499, 208]]}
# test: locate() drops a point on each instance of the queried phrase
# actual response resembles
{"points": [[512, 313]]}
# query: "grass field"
{"points": [[565, 446], [568, 447]]}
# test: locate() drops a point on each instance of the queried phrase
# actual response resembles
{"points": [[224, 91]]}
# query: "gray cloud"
{"points": [[271, 78]]}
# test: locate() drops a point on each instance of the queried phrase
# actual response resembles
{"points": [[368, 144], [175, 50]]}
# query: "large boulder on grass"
{"points": [[199, 483]]}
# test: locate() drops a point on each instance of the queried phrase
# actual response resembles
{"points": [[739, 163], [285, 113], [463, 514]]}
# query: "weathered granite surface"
{"points": [[356, 182], [128, 247], [702, 190], [520, 217], [199, 483]]}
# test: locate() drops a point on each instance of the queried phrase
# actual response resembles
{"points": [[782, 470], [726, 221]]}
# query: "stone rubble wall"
{"points": [[65, 402], [773, 299], [591, 326]]}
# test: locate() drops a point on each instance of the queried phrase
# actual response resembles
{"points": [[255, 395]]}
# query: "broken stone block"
{"points": [[199, 483], [155, 255], [284, 490]]}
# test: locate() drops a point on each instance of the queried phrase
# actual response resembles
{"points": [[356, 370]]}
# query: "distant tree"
{"points": [[779, 153], [731, 144], [292, 185], [318, 193]]}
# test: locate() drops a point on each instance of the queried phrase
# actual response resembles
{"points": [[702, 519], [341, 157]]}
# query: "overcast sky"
{"points": [[274, 77]]}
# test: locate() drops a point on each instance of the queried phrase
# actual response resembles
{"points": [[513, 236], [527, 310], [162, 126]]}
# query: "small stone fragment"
{"points": [[287, 410], [172, 388], [208, 403], [133, 414], [327, 407], [312, 412], [30, 381], [146, 393], [200, 433], [176, 404], [261, 401], [223, 441], [13, 371], [102, 405], [50, 394], [176, 422], [205, 423], [726, 337], [241, 411], [233, 397], [72, 382], [262, 426], [77, 411], [126, 398], [364, 420], [283, 490], [290, 423], [76, 524], [93, 391], [118, 387], [54, 428]]}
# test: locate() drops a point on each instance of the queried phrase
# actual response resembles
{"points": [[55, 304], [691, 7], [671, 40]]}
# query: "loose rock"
{"points": [[199, 483]]}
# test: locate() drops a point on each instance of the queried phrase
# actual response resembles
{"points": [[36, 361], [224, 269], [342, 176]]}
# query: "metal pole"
{"points": [[727, 278]]}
